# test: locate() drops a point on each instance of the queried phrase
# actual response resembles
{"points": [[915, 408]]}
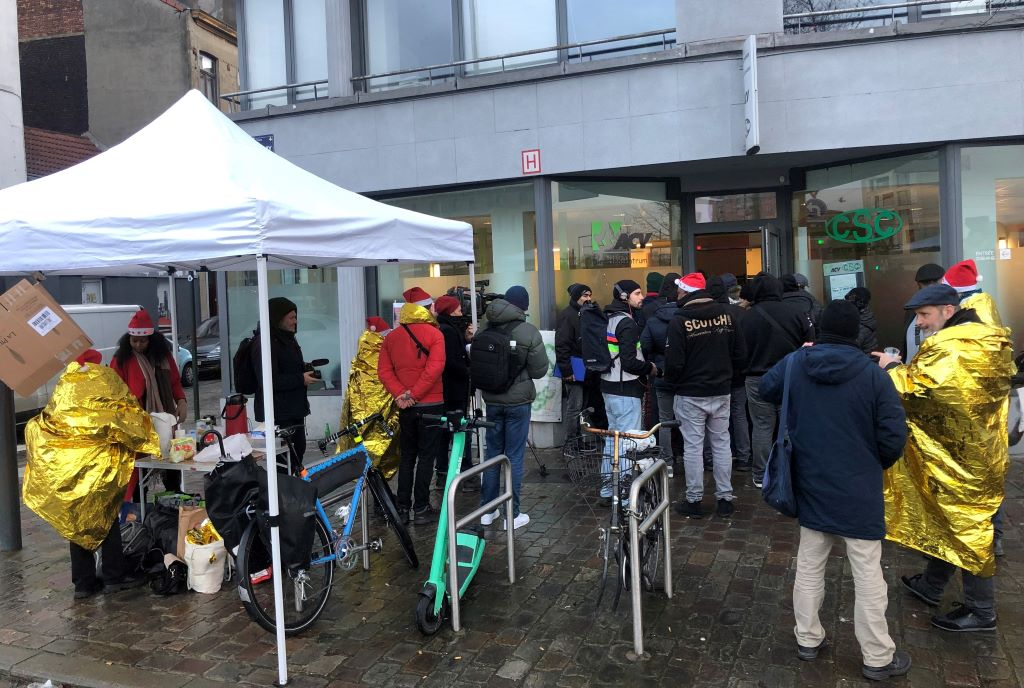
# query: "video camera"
{"points": [[483, 297]]}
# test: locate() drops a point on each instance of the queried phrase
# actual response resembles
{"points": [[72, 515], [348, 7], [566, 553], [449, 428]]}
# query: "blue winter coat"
{"points": [[847, 425]]}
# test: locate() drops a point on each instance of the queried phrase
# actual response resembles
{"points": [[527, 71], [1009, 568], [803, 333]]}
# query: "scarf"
{"points": [[156, 399]]}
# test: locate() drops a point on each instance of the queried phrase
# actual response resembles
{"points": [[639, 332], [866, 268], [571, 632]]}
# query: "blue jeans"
{"points": [[508, 437], [623, 414]]}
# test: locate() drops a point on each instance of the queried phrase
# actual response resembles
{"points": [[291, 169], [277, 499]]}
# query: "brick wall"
{"points": [[45, 18], [53, 84]]}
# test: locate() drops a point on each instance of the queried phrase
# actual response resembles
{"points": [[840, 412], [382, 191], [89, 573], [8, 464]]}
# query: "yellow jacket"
{"points": [[941, 497]]}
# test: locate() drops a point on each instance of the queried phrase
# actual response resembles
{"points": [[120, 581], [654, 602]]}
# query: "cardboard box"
{"points": [[37, 338]]}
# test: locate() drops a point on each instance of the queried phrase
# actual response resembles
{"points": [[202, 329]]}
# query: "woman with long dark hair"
{"points": [[146, 364]]}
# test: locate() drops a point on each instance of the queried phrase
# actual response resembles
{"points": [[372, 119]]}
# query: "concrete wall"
{"points": [[881, 90], [136, 64], [701, 20], [12, 135]]}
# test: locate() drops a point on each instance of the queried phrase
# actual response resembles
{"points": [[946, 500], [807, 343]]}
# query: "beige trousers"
{"points": [[870, 602]]}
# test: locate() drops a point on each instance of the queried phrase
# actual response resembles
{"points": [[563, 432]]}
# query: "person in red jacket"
{"points": [[411, 361], [146, 364]]}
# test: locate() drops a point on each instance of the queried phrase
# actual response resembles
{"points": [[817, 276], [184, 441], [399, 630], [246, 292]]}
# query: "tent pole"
{"points": [[478, 400], [270, 434], [10, 497], [172, 306]]}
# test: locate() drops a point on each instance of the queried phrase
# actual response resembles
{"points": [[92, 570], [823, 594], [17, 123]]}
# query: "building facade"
{"points": [[587, 141]]}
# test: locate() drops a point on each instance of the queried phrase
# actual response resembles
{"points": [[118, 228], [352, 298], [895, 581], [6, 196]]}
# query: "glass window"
{"points": [[608, 231], [315, 292], [309, 26], [403, 34], [265, 63], [992, 183], [208, 77], [504, 245], [497, 27], [866, 17], [592, 20], [736, 207], [870, 224]]}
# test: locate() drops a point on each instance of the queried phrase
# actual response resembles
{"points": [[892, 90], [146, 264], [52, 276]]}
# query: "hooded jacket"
{"points": [[807, 303], [867, 340], [627, 334], [455, 378], [655, 336], [847, 426], [767, 343], [290, 402], [402, 366], [941, 498], [567, 339], [703, 348], [529, 350]]}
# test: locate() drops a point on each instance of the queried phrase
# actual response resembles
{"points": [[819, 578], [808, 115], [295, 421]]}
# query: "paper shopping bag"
{"points": [[188, 517]]}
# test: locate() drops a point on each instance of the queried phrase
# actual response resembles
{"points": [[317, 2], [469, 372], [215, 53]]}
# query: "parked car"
{"points": [[208, 338]]}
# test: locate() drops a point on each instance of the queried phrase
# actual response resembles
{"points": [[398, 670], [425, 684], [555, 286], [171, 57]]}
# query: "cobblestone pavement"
{"points": [[729, 623]]}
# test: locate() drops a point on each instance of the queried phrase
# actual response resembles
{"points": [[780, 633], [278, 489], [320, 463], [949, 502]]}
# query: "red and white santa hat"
{"points": [[691, 282], [417, 296], [375, 323], [141, 324], [963, 276]]}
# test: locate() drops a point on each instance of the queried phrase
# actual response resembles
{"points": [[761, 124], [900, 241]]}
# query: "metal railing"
{"points": [[823, 19], [658, 470], [454, 524], [450, 70]]}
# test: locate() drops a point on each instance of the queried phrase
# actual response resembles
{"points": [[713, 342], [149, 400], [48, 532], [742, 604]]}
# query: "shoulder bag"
{"points": [[777, 488]]}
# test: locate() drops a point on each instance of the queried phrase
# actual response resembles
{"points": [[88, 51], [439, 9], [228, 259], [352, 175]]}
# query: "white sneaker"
{"points": [[520, 521], [488, 519]]}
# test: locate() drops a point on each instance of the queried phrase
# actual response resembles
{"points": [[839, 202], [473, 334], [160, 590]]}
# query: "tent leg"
{"points": [[478, 400], [270, 435]]}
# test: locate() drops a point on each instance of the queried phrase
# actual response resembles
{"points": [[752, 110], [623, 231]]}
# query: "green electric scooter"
{"points": [[433, 606]]}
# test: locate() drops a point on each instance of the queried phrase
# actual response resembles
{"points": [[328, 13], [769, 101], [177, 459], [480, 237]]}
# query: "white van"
{"points": [[104, 324]]}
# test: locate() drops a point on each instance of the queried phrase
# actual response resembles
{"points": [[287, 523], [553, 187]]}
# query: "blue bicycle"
{"points": [[307, 589]]}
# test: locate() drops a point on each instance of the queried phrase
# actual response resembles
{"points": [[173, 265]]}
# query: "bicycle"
{"points": [[310, 587], [585, 458]]}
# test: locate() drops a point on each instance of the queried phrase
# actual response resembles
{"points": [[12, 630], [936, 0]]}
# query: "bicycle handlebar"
{"points": [[585, 424], [353, 428], [470, 422]]}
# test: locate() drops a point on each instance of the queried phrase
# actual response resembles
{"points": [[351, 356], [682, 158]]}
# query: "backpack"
{"points": [[594, 339], [246, 381], [493, 365]]}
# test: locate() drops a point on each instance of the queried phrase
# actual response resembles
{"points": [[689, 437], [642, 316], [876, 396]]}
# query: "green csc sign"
{"points": [[864, 225]]}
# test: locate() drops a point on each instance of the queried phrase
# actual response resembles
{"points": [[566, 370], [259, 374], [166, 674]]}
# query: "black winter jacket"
{"points": [[655, 336], [766, 343], [703, 348], [807, 303], [455, 378], [847, 426], [567, 339], [290, 402], [628, 334], [866, 338]]}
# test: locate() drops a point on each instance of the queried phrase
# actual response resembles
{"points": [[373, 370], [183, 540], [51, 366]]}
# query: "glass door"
{"points": [[771, 239], [736, 233]]}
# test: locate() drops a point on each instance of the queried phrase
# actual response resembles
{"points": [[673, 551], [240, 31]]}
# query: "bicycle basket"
{"points": [[639, 460], [584, 456]]}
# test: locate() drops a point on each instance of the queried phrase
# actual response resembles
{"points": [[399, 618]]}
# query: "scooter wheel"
{"points": [[429, 623]]}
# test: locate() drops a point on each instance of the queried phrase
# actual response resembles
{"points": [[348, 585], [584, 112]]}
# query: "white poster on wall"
{"points": [[841, 277]]}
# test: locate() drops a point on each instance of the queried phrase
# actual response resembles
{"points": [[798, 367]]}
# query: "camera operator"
{"points": [[291, 377], [458, 332]]}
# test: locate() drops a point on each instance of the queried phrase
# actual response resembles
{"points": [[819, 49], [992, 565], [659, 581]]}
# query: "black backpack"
{"points": [[493, 365], [246, 381], [594, 339]]}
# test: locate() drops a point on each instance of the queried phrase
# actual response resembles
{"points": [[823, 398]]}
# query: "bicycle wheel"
{"points": [[650, 542], [381, 493], [305, 591], [606, 554]]}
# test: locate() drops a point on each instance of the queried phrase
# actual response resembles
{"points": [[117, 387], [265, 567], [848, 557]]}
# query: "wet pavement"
{"points": [[729, 623]]}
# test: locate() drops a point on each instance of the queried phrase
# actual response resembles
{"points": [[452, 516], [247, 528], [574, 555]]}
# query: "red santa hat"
{"points": [[691, 282], [417, 296], [141, 324], [375, 323], [963, 276], [89, 356]]}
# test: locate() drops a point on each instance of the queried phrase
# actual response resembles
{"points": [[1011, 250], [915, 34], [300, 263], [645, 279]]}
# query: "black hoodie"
{"points": [[768, 343], [703, 348]]}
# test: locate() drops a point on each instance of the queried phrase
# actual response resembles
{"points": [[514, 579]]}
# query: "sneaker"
{"points": [[90, 590], [488, 519], [126, 583], [963, 619], [742, 466], [758, 482], [424, 516], [899, 666], [724, 508], [915, 586], [809, 654], [403, 516], [517, 523], [689, 509]]}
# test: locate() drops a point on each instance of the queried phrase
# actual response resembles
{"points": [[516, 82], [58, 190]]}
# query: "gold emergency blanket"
{"points": [[81, 452], [985, 306], [367, 395], [940, 498]]}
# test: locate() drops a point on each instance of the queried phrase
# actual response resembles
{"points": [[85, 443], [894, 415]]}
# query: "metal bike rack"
{"points": [[659, 470], [455, 524]]}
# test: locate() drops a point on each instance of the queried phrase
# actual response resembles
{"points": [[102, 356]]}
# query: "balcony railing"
{"points": [[583, 51], [865, 13]]}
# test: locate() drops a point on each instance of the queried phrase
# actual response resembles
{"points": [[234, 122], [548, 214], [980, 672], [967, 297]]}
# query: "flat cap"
{"points": [[933, 295]]}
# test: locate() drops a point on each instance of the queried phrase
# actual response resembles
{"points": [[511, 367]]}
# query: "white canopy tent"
{"points": [[137, 209]]}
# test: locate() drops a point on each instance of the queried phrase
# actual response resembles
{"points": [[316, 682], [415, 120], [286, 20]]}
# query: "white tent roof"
{"points": [[194, 190]]}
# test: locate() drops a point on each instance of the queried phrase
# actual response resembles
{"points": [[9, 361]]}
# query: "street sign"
{"points": [[265, 140]]}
